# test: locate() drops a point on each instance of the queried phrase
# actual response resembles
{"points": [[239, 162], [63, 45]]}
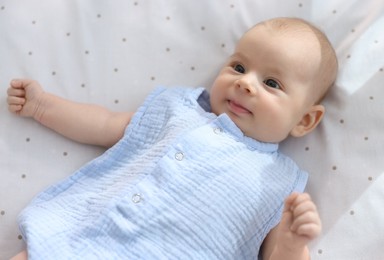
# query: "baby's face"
{"points": [[267, 85]]}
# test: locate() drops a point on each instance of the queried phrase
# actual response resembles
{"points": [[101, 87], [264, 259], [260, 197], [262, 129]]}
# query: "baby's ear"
{"points": [[309, 121]]}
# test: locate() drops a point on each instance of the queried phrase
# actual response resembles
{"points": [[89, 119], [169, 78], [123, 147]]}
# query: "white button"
{"points": [[136, 198], [179, 156], [217, 130]]}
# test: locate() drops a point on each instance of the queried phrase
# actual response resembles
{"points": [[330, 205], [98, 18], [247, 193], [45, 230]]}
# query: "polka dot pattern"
{"points": [[114, 54]]}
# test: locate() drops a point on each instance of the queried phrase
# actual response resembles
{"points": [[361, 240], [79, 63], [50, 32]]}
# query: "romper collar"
{"points": [[229, 126]]}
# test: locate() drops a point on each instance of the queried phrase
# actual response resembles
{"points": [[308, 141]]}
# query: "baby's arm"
{"points": [[299, 225], [84, 123]]}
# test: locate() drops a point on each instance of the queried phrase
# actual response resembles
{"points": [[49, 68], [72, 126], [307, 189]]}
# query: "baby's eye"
{"points": [[272, 83], [239, 68]]}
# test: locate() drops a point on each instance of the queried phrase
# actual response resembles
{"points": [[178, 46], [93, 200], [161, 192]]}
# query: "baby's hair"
{"points": [[329, 64]]}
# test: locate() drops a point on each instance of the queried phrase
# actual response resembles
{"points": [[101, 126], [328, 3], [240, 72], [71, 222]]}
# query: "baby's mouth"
{"points": [[236, 108]]}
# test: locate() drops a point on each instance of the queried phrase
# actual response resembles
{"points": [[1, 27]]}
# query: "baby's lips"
{"points": [[238, 108]]}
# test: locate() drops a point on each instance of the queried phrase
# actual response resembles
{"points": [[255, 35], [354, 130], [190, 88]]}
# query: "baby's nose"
{"points": [[247, 83]]}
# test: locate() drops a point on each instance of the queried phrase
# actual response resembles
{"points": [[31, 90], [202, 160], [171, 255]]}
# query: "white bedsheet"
{"points": [[114, 53]]}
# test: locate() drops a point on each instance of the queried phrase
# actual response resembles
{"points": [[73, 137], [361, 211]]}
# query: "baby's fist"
{"points": [[24, 97], [301, 221]]}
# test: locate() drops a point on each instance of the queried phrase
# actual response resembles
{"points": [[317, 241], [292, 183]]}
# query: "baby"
{"points": [[190, 175]]}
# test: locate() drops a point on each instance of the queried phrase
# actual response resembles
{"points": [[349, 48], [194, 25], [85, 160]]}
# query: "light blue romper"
{"points": [[182, 183]]}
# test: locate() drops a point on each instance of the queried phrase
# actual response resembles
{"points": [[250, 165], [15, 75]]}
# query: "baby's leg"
{"points": [[21, 256]]}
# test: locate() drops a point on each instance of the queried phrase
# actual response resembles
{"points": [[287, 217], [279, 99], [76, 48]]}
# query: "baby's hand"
{"points": [[300, 222], [24, 97]]}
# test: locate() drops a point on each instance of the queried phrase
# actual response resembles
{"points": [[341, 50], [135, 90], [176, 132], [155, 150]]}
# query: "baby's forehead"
{"points": [[296, 44], [290, 29]]}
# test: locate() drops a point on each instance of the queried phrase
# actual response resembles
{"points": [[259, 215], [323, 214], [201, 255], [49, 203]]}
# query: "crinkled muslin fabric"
{"points": [[181, 184]]}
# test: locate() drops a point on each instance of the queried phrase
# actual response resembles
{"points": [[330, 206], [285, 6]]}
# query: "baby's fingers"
{"points": [[15, 104], [303, 206], [308, 221], [17, 92], [19, 83], [310, 230]]}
